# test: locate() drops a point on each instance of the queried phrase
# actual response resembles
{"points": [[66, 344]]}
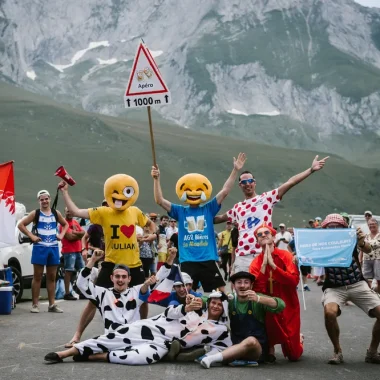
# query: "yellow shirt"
{"points": [[119, 228], [224, 239]]}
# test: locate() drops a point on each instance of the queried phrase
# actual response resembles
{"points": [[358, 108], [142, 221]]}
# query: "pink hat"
{"points": [[334, 218]]}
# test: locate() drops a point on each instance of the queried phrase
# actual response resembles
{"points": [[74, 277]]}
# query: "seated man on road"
{"points": [[146, 341], [180, 291], [118, 305], [247, 320]]}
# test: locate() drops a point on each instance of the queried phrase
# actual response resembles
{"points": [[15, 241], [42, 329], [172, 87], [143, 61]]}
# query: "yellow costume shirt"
{"points": [[119, 228]]}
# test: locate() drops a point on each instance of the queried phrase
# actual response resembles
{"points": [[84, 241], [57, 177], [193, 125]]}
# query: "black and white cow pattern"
{"points": [[116, 308], [146, 341]]}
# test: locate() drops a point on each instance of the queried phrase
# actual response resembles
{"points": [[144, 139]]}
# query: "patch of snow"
{"points": [[237, 112], [156, 53], [111, 61], [270, 113], [31, 74], [78, 55], [123, 40]]}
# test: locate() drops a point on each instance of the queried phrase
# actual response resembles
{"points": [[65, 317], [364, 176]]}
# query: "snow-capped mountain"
{"points": [[301, 73]]}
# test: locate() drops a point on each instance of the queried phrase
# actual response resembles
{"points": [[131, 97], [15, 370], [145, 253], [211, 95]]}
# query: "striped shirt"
{"points": [[47, 230]]}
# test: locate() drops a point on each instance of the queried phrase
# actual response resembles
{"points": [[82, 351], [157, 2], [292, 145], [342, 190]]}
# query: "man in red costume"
{"points": [[277, 276]]}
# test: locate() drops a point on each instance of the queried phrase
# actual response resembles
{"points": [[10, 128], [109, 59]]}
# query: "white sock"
{"points": [[209, 359]]}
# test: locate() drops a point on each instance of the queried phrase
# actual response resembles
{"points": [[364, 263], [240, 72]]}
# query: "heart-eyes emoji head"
{"points": [[193, 189], [121, 191]]}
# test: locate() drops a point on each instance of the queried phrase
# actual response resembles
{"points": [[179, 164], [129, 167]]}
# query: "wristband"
{"points": [[258, 299]]}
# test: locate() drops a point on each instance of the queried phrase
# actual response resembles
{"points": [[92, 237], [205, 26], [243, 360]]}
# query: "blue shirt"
{"points": [[173, 299], [196, 235], [292, 245]]}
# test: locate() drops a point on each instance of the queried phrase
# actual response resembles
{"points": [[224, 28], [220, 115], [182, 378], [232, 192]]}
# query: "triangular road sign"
{"points": [[145, 85]]}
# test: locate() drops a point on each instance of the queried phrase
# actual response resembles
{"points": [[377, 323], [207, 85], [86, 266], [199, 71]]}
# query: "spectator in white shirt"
{"points": [[283, 238], [172, 229]]}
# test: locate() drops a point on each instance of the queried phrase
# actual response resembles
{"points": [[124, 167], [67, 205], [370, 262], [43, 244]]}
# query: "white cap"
{"points": [[281, 225], [318, 218], [368, 212], [186, 280], [42, 192]]}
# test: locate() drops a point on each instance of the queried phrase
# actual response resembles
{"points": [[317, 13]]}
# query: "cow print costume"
{"points": [[116, 308], [147, 341]]}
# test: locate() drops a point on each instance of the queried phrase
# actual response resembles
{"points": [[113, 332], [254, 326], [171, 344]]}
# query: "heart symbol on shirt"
{"points": [[127, 230]]}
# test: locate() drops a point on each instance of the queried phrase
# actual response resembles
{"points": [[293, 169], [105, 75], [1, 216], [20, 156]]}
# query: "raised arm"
{"points": [[72, 207], [220, 218], [315, 166], [238, 165], [158, 197]]}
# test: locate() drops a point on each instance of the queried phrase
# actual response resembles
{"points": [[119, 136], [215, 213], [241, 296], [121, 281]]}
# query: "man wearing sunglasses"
{"points": [[257, 209], [277, 276], [348, 284]]}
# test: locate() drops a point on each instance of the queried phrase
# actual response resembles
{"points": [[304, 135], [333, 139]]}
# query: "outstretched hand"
{"points": [[318, 164], [155, 172], [240, 161]]}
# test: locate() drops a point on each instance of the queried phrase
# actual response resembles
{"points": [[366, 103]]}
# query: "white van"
{"points": [[360, 221]]}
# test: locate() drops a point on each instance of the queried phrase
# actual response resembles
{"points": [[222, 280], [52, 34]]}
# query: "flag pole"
{"points": [[302, 289], [151, 137]]}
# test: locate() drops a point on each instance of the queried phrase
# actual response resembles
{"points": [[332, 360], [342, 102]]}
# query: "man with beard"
{"points": [[277, 276], [257, 209], [147, 341], [247, 312]]}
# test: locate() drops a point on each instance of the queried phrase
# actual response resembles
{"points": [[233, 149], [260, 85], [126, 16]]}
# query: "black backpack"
{"points": [[37, 218]]}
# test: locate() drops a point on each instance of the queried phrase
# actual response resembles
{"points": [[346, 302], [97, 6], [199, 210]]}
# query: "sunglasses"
{"points": [[123, 276], [261, 234], [246, 181]]}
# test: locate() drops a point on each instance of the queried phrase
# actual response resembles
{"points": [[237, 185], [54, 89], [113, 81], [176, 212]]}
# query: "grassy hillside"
{"points": [[41, 135]]}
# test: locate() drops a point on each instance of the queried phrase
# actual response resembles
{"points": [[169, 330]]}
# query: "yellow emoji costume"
{"points": [[119, 220], [193, 189]]}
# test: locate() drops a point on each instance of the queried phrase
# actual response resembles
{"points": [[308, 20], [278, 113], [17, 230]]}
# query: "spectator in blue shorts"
{"points": [[45, 252]]}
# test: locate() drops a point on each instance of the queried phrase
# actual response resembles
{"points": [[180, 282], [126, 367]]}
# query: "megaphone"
{"points": [[61, 172]]}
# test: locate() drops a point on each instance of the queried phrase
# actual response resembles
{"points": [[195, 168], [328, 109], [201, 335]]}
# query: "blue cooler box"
{"points": [[6, 299]]}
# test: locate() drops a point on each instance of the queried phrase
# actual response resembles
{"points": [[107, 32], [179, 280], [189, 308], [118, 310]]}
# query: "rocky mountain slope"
{"points": [[294, 73]]}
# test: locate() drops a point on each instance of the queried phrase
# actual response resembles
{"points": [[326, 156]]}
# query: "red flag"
{"points": [[7, 205]]}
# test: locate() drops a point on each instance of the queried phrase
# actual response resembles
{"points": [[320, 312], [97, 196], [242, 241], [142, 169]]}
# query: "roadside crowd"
{"points": [[115, 259]]}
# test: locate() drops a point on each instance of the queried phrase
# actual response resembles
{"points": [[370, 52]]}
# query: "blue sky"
{"points": [[369, 3]]}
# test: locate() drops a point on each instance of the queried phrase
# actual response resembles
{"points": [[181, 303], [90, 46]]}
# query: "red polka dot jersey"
{"points": [[249, 214]]}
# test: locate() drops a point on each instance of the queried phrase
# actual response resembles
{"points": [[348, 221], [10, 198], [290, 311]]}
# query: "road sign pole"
{"points": [[151, 137]]}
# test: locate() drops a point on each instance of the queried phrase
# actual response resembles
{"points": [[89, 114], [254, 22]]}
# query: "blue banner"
{"points": [[325, 247]]}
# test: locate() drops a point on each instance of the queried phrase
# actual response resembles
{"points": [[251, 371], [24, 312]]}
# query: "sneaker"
{"points": [[198, 360], [206, 364], [69, 297], [35, 309], [243, 363], [306, 288], [54, 309], [336, 359], [191, 355], [372, 357]]}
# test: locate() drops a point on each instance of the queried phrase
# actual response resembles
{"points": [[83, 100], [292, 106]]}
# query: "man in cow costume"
{"points": [[147, 341]]}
